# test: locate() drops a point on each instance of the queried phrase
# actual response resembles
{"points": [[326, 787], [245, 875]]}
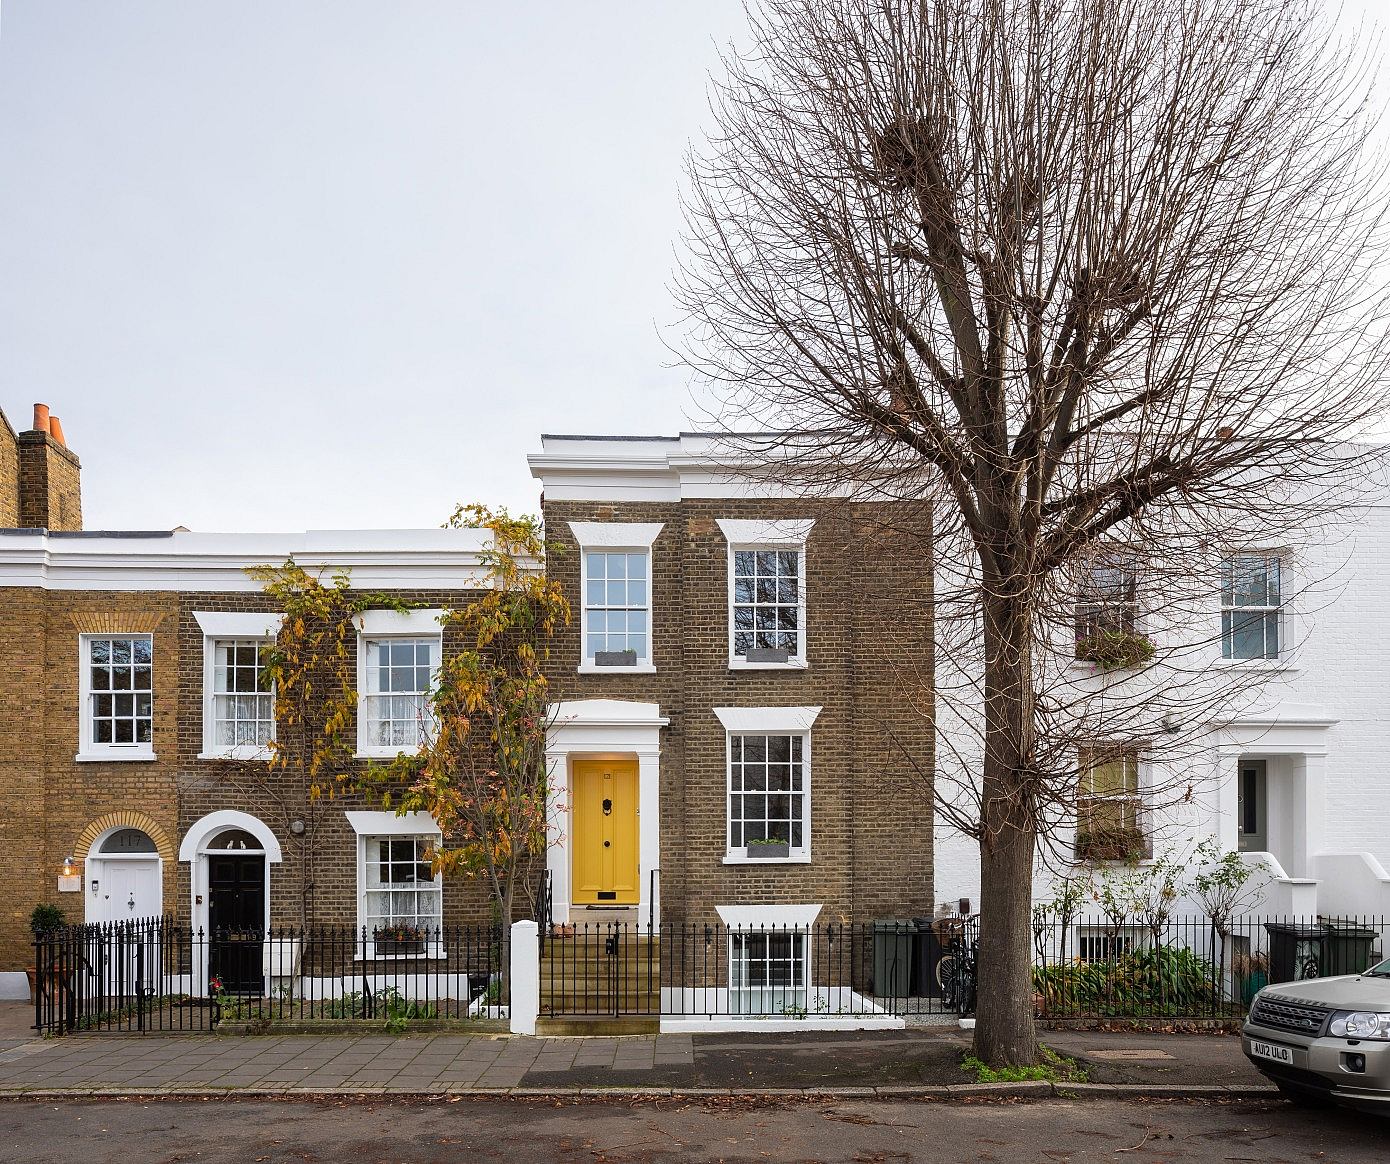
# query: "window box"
{"points": [[627, 658], [398, 940], [767, 655], [1111, 844], [769, 849], [1115, 650]]}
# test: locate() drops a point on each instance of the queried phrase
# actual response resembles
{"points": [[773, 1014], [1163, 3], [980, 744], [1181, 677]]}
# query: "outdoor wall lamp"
{"points": [[69, 866]]}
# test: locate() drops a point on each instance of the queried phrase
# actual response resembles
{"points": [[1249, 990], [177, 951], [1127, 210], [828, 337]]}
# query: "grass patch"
{"points": [[1053, 1068]]}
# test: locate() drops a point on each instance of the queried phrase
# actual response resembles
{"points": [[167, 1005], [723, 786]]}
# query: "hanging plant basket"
{"points": [[1111, 844], [1115, 650]]}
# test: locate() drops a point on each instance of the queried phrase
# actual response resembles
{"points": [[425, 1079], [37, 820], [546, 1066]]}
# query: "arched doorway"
{"points": [[124, 876], [230, 854]]}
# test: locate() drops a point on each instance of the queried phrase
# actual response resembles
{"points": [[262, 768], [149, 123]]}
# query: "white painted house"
{"points": [[1298, 778]]}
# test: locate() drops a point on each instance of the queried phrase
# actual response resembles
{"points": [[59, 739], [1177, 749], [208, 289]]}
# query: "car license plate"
{"points": [[1272, 1051]]}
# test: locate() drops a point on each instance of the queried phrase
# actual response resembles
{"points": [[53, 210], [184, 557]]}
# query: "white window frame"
{"points": [[1280, 611], [798, 921], [88, 748], [1094, 600], [778, 535], [616, 537], [370, 826], [776, 721], [225, 626], [376, 626], [1110, 943], [769, 1001]]}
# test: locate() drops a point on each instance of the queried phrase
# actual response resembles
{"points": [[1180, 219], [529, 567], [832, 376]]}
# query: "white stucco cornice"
{"points": [[660, 469], [445, 559]]}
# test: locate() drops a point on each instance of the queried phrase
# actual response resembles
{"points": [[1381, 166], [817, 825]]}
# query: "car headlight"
{"points": [[1360, 1024]]}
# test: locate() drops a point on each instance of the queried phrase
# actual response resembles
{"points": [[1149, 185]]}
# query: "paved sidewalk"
{"points": [[899, 1062]]}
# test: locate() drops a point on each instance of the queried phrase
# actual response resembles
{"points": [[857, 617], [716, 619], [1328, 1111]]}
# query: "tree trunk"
{"points": [[1004, 1030]]}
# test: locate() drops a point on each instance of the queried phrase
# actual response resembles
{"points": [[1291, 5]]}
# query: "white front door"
{"points": [[126, 962], [125, 889]]}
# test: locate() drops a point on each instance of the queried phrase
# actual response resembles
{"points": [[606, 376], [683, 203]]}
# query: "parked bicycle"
{"points": [[955, 974]]}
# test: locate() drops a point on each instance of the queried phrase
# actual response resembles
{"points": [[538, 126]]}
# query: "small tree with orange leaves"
{"points": [[482, 772]]}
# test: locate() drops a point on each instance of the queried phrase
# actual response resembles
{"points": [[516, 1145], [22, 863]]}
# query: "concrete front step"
{"points": [[592, 1025]]}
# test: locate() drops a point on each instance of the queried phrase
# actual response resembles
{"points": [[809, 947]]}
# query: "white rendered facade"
{"points": [[1313, 728]]}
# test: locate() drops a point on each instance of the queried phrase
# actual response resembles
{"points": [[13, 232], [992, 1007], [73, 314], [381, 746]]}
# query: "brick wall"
{"points": [[317, 879], [871, 751], [52, 798], [9, 475]]}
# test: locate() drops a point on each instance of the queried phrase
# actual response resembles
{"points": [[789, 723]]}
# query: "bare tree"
{"points": [[1094, 280]]}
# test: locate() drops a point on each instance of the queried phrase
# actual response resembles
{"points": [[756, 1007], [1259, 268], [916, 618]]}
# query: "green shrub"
{"points": [[1159, 982], [46, 918]]}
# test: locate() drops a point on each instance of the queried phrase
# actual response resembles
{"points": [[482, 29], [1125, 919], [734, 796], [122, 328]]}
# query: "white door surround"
{"points": [[605, 727], [196, 844], [1293, 744]]}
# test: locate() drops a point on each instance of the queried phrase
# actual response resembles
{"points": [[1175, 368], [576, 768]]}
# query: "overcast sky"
{"points": [[286, 265]]}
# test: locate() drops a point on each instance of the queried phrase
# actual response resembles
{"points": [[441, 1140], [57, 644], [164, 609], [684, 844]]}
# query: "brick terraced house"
{"points": [[134, 719], [728, 746], [729, 741]]}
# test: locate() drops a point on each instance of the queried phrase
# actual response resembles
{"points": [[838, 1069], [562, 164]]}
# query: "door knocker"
{"points": [[607, 807]]}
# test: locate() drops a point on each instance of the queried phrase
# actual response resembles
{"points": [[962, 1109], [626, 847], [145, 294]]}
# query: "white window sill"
{"points": [[435, 955], [114, 757], [231, 754], [794, 859], [1255, 664], [1093, 670], [384, 754], [595, 669], [737, 664]]}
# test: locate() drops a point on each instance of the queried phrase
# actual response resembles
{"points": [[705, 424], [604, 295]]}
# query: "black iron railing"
{"points": [[1114, 966], [708, 969], [153, 974]]}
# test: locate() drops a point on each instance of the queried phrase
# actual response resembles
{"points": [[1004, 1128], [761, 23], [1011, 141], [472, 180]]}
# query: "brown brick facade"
{"points": [[316, 882], [9, 475], [871, 753], [51, 796], [57, 805]]}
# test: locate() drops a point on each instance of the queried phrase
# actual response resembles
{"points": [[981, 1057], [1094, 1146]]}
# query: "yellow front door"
{"points": [[603, 823]]}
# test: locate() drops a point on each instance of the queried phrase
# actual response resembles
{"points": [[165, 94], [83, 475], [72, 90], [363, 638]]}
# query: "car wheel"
{"points": [[1303, 1096]]}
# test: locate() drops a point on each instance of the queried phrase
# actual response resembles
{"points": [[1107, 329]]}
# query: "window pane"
{"points": [[616, 603], [765, 778]]}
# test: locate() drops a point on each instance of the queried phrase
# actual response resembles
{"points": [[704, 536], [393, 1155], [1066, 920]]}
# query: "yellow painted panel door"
{"points": [[603, 817]]}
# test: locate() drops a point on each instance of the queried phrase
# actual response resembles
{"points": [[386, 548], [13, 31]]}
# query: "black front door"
{"points": [[236, 918]]}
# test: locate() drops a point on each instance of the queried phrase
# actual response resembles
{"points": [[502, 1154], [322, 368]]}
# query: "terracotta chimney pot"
{"points": [[41, 418], [55, 430]]}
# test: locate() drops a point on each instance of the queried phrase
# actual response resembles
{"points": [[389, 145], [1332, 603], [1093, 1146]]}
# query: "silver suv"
{"points": [[1325, 1039]]}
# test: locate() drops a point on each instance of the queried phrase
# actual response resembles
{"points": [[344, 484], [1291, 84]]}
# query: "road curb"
{"points": [[1040, 1089]]}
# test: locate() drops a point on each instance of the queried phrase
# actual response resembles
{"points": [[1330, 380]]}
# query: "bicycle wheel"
{"points": [[948, 977]]}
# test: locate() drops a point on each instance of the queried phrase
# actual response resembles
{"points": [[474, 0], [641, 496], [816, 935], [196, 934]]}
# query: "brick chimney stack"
{"points": [[49, 484]]}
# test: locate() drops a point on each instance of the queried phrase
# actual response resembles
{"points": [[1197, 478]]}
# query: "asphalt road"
{"points": [[523, 1130]]}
